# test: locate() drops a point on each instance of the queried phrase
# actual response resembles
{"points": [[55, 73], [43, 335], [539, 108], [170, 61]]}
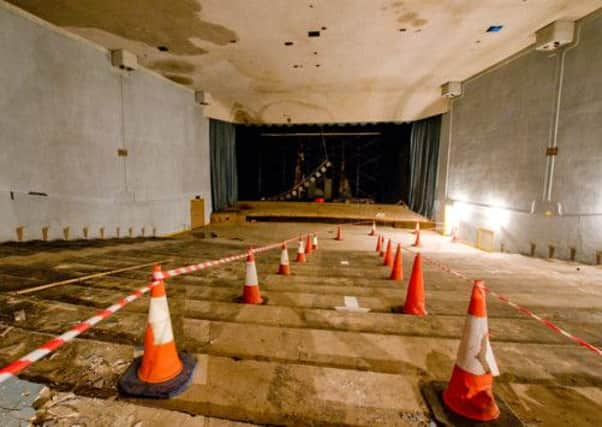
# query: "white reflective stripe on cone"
{"points": [[301, 248], [284, 257], [315, 240], [159, 320], [251, 276], [475, 354]]}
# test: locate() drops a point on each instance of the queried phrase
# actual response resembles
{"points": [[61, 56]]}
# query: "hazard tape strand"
{"points": [[162, 275], [48, 347], [507, 301]]}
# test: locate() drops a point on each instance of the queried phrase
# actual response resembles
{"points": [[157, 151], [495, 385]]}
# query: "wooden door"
{"points": [[197, 213]]}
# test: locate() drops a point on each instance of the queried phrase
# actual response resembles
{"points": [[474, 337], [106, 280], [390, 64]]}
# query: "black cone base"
{"points": [[433, 394], [131, 385]]}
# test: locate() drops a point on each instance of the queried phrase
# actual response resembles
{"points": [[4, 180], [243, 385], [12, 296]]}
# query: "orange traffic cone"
{"points": [[378, 244], [300, 251], [470, 389], [251, 294], [314, 243], [417, 241], [339, 233], [284, 267], [160, 361], [397, 270], [373, 229], [161, 372], [308, 249], [416, 228], [388, 259], [415, 297]]}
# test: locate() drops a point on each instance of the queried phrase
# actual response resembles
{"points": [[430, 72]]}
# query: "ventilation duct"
{"points": [[451, 89], [123, 59]]}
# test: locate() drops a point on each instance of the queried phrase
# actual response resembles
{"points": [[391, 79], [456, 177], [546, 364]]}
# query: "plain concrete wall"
{"points": [[499, 130], [64, 113]]}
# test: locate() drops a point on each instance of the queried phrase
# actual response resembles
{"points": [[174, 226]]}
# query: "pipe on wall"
{"points": [[553, 143]]}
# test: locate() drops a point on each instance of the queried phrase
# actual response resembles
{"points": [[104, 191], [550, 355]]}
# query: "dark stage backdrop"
{"points": [[376, 159]]}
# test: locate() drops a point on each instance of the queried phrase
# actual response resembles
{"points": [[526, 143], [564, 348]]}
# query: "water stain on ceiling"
{"points": [[289, 107], [172, 66], [240, 114], [183, 80], [155, 22], [412, 19], [377, 60]]}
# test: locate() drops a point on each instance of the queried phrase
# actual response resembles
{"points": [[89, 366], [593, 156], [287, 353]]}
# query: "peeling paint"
{"points": [[155, 22]]}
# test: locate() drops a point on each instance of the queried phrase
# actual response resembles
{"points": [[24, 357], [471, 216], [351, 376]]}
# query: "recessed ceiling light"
{"points": [[315, 53], [403, 30], [317, 65], [233, 41], [163, 48], [495, 28], [324, 28], [288, 43], [313, 34]]}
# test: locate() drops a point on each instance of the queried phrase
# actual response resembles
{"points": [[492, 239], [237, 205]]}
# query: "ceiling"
{"points": [[374, 60]]}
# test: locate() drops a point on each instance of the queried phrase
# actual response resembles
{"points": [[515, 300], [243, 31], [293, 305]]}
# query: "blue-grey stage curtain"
{"points": [[424, 154], [224, 177]]}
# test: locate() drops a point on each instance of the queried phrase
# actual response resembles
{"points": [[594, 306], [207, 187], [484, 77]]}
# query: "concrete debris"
{"points": [[20, 316], [68, 410], [415, 419], [6, 331]]}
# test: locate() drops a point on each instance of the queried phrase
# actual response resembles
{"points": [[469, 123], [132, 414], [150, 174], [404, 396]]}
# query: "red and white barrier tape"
{"points": [[161, 275], [48, 347], [522, 309]]}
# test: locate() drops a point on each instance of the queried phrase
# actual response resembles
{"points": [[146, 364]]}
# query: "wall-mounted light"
{"points": [[462, 212], [496, 217]]}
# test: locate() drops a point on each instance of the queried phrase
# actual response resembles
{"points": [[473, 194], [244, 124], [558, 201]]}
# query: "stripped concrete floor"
{"points": [[296, 360]]}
